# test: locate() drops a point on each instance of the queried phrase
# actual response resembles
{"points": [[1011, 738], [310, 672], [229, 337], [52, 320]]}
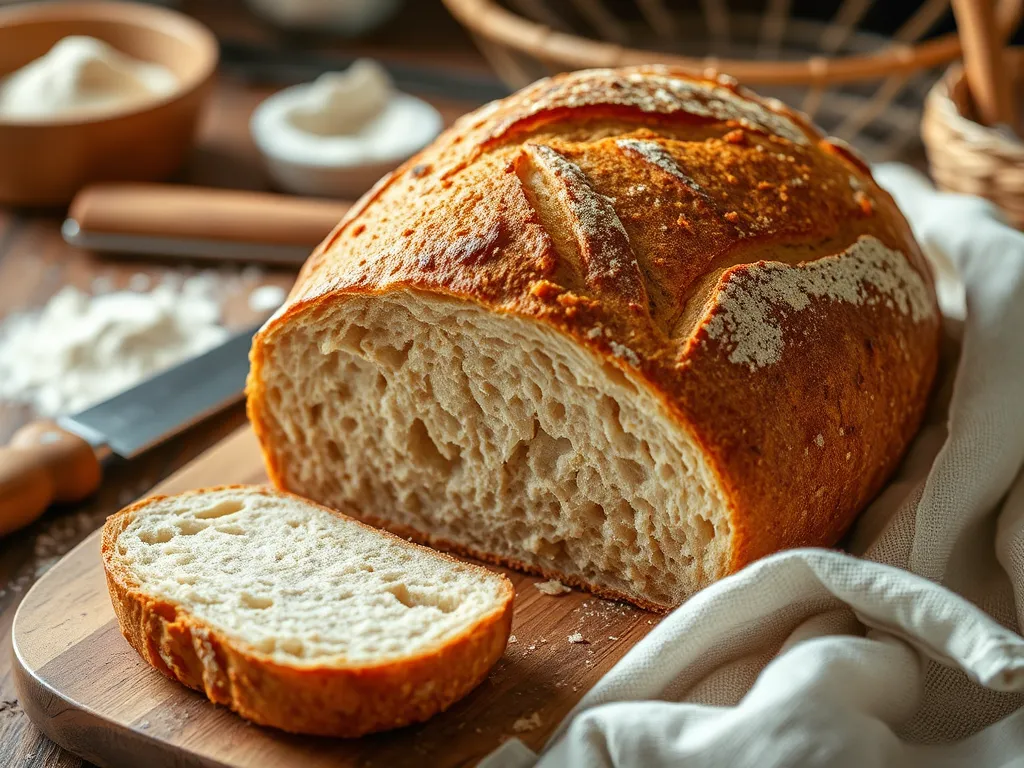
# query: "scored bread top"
{"points": [[710, 244]]}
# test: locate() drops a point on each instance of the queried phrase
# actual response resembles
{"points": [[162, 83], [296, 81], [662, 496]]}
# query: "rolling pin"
{"points": [[199, 222]]}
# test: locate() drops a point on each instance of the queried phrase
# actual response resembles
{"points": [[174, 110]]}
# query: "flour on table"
{"points": [[80, 348], [524, 724], [266, 298]]}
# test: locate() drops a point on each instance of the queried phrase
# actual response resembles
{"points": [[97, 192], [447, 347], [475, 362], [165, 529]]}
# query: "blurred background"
{"points": [[165, 167], [279, 41]]}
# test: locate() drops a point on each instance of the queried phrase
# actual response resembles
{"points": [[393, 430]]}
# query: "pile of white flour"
{"points": [[81, 348]]}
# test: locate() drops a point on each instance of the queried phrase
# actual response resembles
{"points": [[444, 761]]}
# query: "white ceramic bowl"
{"points": [[339, 166]]}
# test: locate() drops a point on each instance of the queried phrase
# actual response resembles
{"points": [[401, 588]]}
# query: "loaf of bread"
{"points": [[299, 617], [631, 329]]}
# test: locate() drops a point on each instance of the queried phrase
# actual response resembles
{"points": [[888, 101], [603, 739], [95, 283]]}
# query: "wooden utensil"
{"points": [[200, 222], [43, 464], [984, 66]]}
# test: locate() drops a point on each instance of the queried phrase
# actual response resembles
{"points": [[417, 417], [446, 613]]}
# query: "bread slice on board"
{"points": [[296, 616]]}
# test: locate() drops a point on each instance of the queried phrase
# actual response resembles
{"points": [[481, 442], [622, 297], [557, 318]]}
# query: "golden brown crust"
{"points": [[706, 183], [325, 700]]}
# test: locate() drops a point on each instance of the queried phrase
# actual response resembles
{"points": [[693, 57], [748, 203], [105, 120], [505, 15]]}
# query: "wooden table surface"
{"points": [[35, 263]]}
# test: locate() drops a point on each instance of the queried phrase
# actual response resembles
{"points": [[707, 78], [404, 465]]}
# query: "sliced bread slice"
{"points": [[296, 616]]}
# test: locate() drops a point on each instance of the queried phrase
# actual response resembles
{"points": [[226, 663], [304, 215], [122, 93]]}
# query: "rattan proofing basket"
{"points": [[862, 87]]}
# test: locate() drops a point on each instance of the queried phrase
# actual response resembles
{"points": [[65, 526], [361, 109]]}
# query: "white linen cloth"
{"points": [[904, 652]]}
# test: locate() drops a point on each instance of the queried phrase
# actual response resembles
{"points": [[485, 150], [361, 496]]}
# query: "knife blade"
{"points": [[61, 460]]}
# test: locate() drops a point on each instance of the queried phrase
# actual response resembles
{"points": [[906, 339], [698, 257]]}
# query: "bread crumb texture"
{"points": [[298, 584]]}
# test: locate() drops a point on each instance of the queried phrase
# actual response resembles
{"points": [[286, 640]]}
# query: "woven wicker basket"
{"points": [[964, 156], [857, 85]]}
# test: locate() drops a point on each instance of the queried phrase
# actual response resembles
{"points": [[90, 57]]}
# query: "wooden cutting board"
{"points": [[87, 689]]}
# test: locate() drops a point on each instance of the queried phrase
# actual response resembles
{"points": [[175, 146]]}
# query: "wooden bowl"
{"points": [[44, 162]]}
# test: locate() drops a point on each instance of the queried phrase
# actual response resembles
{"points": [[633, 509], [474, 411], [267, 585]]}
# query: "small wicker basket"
{"points": [[965, 156]]}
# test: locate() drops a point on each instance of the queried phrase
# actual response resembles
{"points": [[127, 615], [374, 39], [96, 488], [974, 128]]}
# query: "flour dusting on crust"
{"points": [[660, 92], [746, 317], [603, 242], [655, 154]]}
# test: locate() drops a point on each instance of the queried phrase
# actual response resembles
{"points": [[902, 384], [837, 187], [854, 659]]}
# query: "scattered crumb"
{"points": [[532, 648], [820, 441], [625, 353], [512, 639], [552, 587], [576, 637], [524, 724], [612, 637]]}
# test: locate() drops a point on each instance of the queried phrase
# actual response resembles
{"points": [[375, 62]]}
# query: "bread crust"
{"points": [[322, 700], [712, 185]]}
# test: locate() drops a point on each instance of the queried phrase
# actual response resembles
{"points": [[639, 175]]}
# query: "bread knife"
{"points": [[199, 222], [62, 460]]}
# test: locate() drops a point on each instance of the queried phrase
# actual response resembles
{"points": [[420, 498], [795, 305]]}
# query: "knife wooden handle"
{"points": [[43, 464], [203, 213]]}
